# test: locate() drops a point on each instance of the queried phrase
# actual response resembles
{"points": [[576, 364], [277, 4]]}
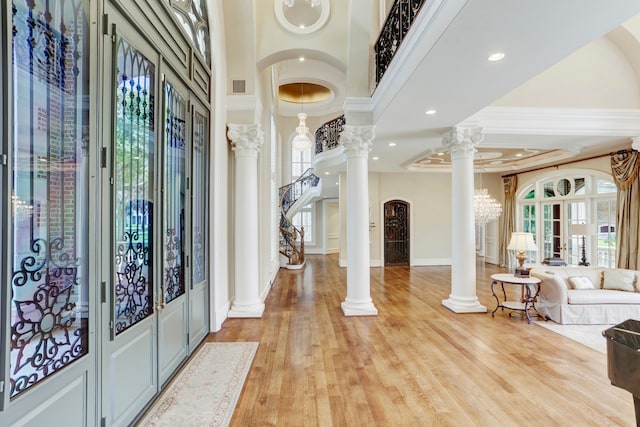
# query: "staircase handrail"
{"points": [[289, 233]]}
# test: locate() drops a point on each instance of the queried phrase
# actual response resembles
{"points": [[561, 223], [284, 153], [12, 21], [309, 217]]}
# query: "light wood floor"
{"points": [[416, 363]]}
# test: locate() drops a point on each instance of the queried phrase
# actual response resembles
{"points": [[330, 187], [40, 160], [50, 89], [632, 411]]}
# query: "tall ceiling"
{"points": [[567, 87]]}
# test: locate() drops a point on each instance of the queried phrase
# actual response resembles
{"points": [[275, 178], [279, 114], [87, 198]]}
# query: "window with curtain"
{"points": [[554, 207]]}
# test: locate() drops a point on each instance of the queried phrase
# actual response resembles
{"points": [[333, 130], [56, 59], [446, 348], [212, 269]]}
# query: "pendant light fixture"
{"points": [[302, 142]]}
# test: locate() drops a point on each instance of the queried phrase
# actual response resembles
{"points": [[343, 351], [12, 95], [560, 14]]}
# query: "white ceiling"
{"points": [[443, 66]]}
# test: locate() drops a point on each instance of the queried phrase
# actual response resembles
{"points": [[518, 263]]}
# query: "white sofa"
{"points": [[565, 295]]}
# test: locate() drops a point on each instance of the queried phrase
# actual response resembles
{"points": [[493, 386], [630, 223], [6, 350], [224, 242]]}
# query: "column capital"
{"points": [[461, 141], [635, 143], [246, 140], [357, 140]]}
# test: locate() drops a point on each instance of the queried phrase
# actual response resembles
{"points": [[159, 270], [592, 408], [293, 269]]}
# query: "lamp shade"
{"points": [[581, 229], [522, 242]]}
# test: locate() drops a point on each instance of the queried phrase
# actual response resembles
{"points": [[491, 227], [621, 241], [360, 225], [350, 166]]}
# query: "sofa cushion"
{"points": [[581, 282], [603, 296], [618, 279]]}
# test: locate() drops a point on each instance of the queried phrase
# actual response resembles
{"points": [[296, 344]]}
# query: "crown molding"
{"points": [[243, 103], [558, 121]]}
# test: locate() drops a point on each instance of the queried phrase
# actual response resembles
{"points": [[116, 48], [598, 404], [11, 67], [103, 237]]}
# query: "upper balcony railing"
{"points": [[396, 27], [328, 135]]}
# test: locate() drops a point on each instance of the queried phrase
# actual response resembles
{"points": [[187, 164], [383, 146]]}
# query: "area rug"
{"points": [[589, 335], [205, 393]]}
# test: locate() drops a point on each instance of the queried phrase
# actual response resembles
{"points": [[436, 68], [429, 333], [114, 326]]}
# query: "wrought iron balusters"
{"points": [[396, 27], [328, 135]]}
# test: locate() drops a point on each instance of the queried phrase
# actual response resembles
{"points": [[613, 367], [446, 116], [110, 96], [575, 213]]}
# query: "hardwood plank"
{"points": [[416, 363]]}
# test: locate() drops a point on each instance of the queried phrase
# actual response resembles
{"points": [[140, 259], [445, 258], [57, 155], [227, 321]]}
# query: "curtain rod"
{"points": [[625, 151]]}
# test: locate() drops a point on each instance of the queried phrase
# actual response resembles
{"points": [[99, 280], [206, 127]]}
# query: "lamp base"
{"points": [[521, 272]]}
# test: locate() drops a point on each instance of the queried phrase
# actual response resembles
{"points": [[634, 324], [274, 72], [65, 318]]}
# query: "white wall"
{"points": [[429, 196], [598, 75]]}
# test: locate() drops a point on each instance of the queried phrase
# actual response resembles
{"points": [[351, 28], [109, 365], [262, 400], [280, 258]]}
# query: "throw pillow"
{"points": [[581, 282], [621, 280]]}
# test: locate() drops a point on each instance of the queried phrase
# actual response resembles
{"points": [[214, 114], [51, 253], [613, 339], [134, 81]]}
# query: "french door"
{"points": [[558, 238], [155, 288]]}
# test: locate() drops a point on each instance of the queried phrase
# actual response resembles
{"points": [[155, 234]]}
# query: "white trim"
{"points": [[417, 262], [244, 103], [342, 262], [558, 121], [375, 263], [218, 316], [284, 22]]}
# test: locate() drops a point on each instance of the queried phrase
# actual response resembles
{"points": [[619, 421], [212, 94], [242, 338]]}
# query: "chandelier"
{"points": [[302, 142], [485, 207]]}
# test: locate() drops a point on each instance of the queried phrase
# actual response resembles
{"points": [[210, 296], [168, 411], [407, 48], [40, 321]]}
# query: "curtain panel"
{"points": [[510, 184], [624, 168]]}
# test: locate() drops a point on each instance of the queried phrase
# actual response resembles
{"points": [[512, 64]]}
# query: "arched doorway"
{"points": [[396, 233]]}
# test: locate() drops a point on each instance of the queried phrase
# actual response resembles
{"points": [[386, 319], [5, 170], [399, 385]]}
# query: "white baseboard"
{"points": [[218, 317], [417, 262], [342, 262], [375, 263]]}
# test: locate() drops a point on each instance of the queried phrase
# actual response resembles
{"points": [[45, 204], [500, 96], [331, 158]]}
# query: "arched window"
{"points": [[192, 15], [572, 214]]}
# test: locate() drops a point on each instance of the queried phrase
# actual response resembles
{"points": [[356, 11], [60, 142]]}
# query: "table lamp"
{"points": [[522, 242], [582, 230]]}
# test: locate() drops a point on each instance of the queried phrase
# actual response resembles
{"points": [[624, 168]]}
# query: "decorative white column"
{"points": [[461, 143], [246, 141], [357, 142]]}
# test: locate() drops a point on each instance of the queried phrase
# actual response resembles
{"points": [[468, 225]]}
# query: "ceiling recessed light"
{"points": [[376, 158], [497, 56], [301, 59], [392, 144], [336, 183], [326, 173], [519, 155], [430, 112], [440, 154], [302, 26]]}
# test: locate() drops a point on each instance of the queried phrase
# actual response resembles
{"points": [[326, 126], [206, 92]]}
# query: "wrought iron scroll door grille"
{"points": [[396, 233]]}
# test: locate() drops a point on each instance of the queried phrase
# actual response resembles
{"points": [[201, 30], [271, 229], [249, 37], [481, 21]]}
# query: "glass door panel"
{"points": [[173, 311], [133, 160], [199, 196], [174, 193], [576, 214], [198, 298], [553, 245], [49, 190], [606, 233]]}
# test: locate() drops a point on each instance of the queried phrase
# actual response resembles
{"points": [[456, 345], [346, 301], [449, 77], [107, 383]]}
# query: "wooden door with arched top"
{"points": [[396, 233]]}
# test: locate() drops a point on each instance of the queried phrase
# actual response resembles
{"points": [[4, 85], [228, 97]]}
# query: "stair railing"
{"points": [[292, 237], [328, 135]]}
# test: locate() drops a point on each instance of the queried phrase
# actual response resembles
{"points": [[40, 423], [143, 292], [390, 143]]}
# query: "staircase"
{"points": [[292, 198]]}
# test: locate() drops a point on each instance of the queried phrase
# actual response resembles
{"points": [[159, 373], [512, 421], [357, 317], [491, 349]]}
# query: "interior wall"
{"points": [[598, 75], [429, 195], [273, 38]]}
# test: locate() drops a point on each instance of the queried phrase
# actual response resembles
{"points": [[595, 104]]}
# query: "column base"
{"points": [[246, 311], [350, 308], [464, 305]]}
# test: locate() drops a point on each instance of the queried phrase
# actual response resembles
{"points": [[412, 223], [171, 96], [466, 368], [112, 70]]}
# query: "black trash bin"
{"points": [[623, 358]]}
